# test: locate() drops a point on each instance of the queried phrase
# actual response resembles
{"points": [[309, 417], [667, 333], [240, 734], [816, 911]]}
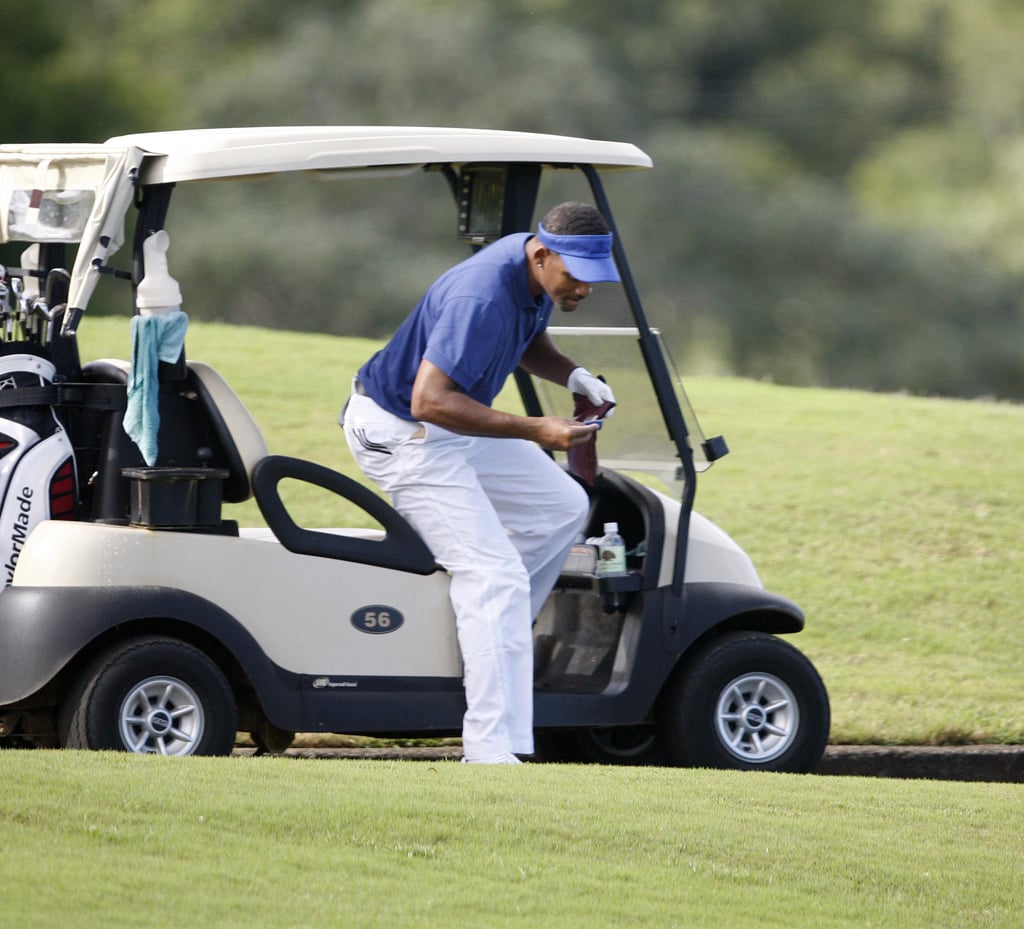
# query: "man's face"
{"points": [[564, 290]]}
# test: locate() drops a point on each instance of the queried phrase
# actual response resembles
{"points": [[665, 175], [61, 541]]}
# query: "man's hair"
{"points": [[575, 219]]}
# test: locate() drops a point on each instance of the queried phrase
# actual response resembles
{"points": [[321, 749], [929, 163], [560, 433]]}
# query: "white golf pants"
{"points": [[500, 516]]}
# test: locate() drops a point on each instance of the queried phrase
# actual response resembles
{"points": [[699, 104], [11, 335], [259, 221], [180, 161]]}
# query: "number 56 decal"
{"points": [[377, 619]]}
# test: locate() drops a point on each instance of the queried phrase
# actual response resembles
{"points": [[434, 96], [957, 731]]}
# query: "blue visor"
{"points": [[587, 258]]}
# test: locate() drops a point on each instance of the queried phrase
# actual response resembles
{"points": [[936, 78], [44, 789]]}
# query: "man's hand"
{"points": [[557, 434], [581, 381]]}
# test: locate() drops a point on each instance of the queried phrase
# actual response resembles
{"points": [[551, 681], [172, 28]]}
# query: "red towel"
{"points": [[583, 457]]}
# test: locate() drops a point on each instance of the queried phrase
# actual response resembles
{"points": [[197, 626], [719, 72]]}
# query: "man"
{"points": [[494, 509]]}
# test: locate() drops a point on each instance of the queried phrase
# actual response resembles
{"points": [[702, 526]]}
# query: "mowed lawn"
{"points": [[101, 840], [892, 520]]}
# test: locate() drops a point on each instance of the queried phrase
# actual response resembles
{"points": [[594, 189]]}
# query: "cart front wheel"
{"points": [[749, 701]]}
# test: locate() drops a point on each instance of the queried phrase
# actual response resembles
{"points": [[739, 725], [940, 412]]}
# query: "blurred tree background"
{"points": [[838, 194]]}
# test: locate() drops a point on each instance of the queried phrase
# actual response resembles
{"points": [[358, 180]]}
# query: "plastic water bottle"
{"points": [[611, 552]]}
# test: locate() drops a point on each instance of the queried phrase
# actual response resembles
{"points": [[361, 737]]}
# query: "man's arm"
{"points": [[437, 399], [543, 359]]}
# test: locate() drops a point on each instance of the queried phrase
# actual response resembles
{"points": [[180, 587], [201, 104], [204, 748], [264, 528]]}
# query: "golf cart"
{"points": [[136, 617]]}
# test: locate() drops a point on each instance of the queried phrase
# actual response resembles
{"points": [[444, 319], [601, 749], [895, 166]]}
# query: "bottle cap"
{"points": [[157, 289], [611, 527]]}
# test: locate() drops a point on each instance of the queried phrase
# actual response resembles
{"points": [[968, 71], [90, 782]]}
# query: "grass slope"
{"points": [[894, 521], [107, 840]]}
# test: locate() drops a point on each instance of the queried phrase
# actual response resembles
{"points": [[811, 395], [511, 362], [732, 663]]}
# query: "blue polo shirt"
{"points": [[474, 323]]}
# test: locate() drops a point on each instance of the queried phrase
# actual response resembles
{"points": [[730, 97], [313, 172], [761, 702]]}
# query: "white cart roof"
{"points": [[81, 192], [203, 154]]}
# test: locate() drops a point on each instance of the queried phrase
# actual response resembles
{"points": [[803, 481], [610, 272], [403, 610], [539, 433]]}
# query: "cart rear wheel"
{"points": [[623, 745], [749, 701], [151, 695]]}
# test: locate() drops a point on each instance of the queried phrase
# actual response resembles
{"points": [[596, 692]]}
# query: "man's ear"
{"points": [[539, 253]]}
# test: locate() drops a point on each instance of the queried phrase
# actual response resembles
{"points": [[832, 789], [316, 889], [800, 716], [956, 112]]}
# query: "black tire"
{"points": [[151, 695], [620, 745], [747, 701], [271, 740]]}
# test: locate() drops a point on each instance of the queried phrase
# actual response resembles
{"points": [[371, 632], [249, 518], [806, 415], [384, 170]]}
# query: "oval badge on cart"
{"points": [[377, 619]]}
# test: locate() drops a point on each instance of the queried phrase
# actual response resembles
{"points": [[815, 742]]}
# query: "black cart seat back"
{"points": [[202, 423], [237, 434]]}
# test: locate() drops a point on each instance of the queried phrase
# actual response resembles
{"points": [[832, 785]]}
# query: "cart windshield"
{"points": [[634, 440]]}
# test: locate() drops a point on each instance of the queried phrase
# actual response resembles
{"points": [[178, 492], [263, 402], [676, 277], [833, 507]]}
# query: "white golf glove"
{"points": [[581, 381]]}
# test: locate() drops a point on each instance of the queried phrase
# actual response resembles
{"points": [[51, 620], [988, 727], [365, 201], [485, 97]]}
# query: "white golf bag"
{"points": [[37, 465]]}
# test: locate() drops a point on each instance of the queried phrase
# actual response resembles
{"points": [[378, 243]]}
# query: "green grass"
{"points": [[893, 521], [107, 840]]}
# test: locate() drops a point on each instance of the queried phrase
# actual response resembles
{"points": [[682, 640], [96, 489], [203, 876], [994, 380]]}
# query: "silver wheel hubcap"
{"points": [[161, 715], [757, 717]]}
